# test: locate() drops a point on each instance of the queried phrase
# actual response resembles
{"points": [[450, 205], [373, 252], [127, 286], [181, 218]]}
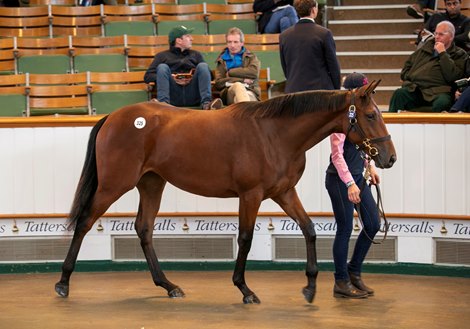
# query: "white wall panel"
{"points": [[7, 170], [413, 161], [456, 168], [40, 169], [65, 168], [433, 169], [23, 172], [392, 179], [43, 166]]}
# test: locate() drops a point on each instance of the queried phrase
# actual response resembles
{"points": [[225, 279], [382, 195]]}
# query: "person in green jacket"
{"points": [[429, 72], [237, 71]]}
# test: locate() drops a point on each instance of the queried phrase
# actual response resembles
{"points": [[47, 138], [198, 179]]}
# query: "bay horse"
{"points": [[250, 150]]}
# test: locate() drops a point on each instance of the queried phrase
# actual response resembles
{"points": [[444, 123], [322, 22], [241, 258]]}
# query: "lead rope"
{"points": [[379, 205]]}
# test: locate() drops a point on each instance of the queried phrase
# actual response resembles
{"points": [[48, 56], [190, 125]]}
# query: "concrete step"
{"points": [[368, 12], [373, 27], [376, 42], [372, 60]]}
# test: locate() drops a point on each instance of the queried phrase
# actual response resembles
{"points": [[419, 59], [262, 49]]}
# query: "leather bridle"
{"points": [[367, 143]]}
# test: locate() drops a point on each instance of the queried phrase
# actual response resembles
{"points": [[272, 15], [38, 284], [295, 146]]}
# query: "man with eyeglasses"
{"points": [[461, 22], [429, 72]]}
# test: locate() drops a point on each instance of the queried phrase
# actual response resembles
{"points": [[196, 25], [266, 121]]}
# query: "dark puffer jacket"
{"points": [[433, 73]]}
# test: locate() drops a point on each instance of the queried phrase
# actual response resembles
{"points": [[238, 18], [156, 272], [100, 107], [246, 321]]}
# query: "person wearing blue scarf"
{"points": [[237, 72]]}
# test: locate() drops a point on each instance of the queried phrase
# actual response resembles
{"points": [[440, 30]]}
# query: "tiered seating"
{"points": [[98, 45], [188, 2], [209, 42], [57, 94], [7, 58], [234, 2], [43, 55], [262, 42], [142, 49], [24, 21], [13, 95], [130, 20], [34, 3], [144, 19], [76, 69], [71, 93], [140, 2], [222, 17], [110, 91], [44, 64], [191, 16], [76, 20]]}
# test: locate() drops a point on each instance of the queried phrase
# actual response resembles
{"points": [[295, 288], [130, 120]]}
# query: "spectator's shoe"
{"points": [[357, 282], [216, 104], [345, 289], [414, 11]]}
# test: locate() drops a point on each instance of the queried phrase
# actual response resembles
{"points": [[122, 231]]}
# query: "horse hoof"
{"points": [[62, 289], [252, 299], [175, 293], [308, 294]]}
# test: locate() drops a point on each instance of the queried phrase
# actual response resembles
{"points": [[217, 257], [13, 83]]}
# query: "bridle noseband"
{"points": [[366, 144]]}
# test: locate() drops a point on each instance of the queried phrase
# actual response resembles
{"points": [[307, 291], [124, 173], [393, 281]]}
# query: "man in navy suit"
{"points": [[308, 52]]}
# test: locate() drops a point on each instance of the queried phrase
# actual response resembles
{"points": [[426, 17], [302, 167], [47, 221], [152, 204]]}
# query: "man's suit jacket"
{"points": [[308, 57]]}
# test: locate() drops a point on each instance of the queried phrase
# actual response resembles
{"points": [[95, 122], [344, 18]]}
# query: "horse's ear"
{"points": [[369, 88]]}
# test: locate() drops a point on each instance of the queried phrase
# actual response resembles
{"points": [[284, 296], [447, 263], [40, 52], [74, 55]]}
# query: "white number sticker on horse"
{"points": [[139, 123]]}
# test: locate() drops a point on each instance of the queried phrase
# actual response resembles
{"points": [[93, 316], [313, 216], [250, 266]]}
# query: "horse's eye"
{"points": [[370, 116]]}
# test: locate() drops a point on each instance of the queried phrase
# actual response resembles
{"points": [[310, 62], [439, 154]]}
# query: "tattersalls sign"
{"points": [[229, 225]]}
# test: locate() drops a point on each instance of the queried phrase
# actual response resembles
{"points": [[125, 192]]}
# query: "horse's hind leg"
{"points": [[101, 203], [249, 206], [150, 188], [290, 203]]}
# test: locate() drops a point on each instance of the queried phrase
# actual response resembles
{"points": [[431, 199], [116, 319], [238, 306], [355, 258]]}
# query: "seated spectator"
{"points": [[277, 15], [452, 14], [429, 73], [181, 75], [237, 72], [462, 96], [422, 9]]}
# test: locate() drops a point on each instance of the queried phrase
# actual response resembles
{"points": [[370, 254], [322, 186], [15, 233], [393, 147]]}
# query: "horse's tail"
{"points": [[88, 182]]}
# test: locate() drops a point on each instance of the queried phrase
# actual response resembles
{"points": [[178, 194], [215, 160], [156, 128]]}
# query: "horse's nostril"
{"points": [[393, 158]]}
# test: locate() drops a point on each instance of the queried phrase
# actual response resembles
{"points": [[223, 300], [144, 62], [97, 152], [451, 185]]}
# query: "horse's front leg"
{"points": [[248, 210], [150, 189], [290, 203]]}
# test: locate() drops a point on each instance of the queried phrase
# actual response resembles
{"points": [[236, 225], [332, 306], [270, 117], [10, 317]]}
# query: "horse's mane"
{"points": [[292, 105]]}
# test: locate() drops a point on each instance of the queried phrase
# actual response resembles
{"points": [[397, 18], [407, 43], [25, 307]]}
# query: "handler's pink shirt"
{"points": [[337, 151]]}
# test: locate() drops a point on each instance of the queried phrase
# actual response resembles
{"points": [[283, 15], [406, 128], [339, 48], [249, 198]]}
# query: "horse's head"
{"points": [[366, 127]]}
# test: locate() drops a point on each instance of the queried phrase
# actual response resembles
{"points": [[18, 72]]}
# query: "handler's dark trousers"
{"points": [[343, 211]]}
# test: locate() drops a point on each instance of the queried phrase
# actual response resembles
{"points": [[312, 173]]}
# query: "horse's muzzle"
{"points": [[386, 164]]}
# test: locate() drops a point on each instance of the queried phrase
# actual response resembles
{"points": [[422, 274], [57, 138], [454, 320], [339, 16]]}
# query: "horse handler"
{"points": [[344, 182]]}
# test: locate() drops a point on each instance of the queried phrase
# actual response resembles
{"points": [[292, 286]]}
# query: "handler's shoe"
{"points": [[357, 282], [344, 289]]}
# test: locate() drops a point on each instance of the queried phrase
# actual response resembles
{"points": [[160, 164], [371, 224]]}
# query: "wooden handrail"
{"points": [[85, 120]]}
